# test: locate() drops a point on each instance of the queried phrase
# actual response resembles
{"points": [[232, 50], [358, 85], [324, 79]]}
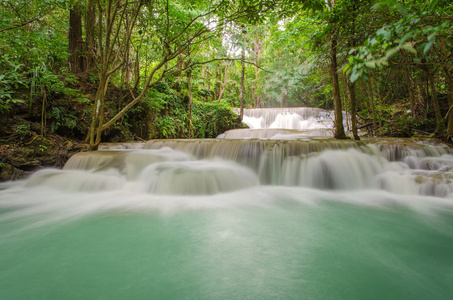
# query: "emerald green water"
{"points": [[263, 243]]}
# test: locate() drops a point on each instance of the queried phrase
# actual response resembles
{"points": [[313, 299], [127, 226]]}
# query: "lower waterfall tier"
{"points": [[216, 166]]}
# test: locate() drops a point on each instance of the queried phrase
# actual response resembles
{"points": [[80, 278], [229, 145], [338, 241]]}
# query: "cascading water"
{"points": [[285, 123], [279, 214]]}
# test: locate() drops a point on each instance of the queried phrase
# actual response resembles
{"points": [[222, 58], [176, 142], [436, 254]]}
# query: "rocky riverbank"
{"points": [[18, 159]]}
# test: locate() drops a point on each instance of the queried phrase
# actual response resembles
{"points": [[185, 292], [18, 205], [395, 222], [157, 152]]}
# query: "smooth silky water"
{"points": [[301, 217]]}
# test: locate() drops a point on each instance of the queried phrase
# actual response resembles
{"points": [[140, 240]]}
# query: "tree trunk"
{"points": [[189, 87], [423, 92], [178, 71], [449, 80], [352, 97], [339, 129], [255, 96], [351, 85], [222, 89], [346, 100], [75, 40], [241, 93], [90, 22], [137, 69], [98, 114], [208, 79], [449, 83], [372, 106], [410, 89], [218, 80], [440, 124]]}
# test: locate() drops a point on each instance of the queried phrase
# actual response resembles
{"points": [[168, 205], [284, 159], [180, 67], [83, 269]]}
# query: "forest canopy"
{"points": [[156, 68]]}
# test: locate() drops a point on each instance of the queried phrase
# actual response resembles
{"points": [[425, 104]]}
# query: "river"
{"points": [[278, 211]]}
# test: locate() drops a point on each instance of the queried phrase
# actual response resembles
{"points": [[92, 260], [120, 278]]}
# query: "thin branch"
{"points": [[18, 26], [227, 59]]}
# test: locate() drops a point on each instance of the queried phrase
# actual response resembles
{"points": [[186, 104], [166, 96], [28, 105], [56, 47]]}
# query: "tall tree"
{"points": [[90, 23], [76, 60], [176, 27], [241, 94], [334, 28]]}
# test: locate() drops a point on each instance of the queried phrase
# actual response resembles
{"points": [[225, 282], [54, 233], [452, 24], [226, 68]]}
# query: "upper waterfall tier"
{"points": [[286, 123], [302, 118]]}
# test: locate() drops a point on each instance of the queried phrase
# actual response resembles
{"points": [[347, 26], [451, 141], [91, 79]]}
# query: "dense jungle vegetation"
{"points": [[118, 70]]}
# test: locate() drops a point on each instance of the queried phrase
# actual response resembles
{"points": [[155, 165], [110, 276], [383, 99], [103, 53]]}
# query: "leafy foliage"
{"points": [[415, 28], [397, 54], [10, 81]]}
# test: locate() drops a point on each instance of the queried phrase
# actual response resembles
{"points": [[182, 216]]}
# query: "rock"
{"points": [[20, 159], [23, 159], [35, 127], [8, 172]]}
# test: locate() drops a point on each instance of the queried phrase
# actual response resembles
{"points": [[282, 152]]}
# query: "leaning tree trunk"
{"points": [[339, 129]]}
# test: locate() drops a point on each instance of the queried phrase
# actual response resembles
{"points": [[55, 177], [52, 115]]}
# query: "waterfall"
{"points": [[279, 210], [288, 118], [286, 123]]}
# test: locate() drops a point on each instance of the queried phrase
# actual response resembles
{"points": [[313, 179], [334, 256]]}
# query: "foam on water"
{"points": [[77, 181], [277, 134], [197, 177]]}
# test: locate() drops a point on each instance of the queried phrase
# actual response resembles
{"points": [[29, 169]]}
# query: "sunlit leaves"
{"points": [[416, 30]]}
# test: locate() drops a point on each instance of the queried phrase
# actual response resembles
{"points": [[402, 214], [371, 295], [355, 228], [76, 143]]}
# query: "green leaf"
{"points": [[402, 8], [409, 48], [354, 76], [346, 68], [432, 36], [408, 35], [428, 46], [371, 64], [391, 52], [427, 29]]}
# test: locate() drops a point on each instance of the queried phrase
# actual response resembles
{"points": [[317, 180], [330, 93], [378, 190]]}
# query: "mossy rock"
{"points": [[8, 172]]}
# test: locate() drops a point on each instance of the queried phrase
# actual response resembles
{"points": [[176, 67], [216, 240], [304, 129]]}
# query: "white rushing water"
{"points": [[286, 123], [271, 213], [302, 118]]}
